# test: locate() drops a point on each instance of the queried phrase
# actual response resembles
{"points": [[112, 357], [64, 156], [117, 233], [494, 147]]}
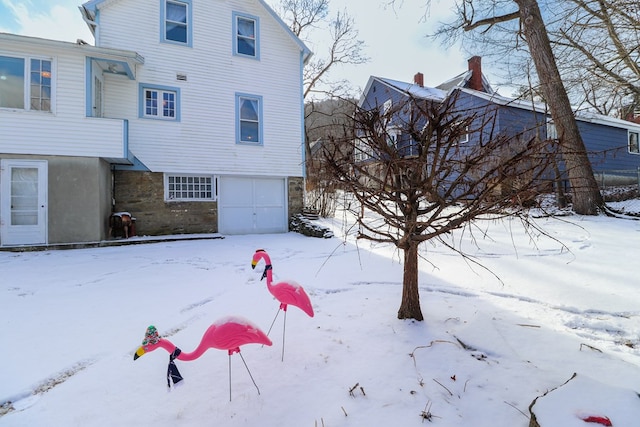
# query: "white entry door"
{"points": [[23, 202], [252, 205]]}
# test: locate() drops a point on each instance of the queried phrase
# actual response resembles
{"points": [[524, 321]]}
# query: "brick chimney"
{"points": [[475, 66], [419, 79]]}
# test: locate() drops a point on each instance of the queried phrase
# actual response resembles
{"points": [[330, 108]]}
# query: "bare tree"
{"points": [[429, 182], [587, 199], [597, 49], [337, 34], [486, 15], [337, 37], [327, 122], [310, 21]]}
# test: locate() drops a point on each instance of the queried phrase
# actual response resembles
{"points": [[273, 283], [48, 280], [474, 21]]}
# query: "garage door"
{"points": [[252, 205]]}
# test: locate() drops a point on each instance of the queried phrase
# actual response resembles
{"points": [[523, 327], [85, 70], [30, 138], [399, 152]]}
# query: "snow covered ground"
{"points": [[493, 338]]}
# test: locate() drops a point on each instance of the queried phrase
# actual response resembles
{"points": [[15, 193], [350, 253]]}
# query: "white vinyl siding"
{"points": [[66, 131], [205, 140]]}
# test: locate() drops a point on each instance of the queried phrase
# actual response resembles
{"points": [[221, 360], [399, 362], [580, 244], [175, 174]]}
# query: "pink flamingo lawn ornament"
{"points": [[228, 333], [287, 292]]}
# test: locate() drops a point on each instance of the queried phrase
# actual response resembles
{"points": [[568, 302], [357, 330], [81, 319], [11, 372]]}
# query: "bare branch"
{"points": [[490, 22]]}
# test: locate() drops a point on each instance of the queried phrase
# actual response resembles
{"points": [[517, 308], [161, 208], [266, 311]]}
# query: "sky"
{"points": [[542, 308], [395, 38]]}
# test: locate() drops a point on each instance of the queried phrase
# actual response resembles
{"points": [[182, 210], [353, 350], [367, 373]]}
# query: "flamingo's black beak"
{"points": [[253, 263], [139, 352]]}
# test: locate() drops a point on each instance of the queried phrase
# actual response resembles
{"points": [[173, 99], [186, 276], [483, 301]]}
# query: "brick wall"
{"points": [[142, 194]]}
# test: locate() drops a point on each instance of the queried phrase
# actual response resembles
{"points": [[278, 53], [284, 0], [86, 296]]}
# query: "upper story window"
{"points": [[246, 40], [386, 107], [176, 22], [249, 119], [462, 132], [552, 132], [634, 146], [26, 83], [159, 102], [393, 134], [362, 151]]}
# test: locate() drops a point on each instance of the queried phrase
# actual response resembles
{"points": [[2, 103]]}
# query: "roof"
{"points": [[460, 81], [538, 107], [411, 89], [90, 8], [124, 60]]}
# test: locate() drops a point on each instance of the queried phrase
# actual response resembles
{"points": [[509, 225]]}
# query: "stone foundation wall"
{"points": [[296, 196], [142, 195]]}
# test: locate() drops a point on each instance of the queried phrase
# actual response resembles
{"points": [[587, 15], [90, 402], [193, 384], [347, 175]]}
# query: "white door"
{"points": [[252, 205], [97, 96], [23, 202]]}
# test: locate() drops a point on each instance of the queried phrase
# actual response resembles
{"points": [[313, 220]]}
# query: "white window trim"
{"points": [[393, 133], [27, 83], [142, 107], [637, 134], [168, 197], [362, 151], [239, 97], [386, 107], [256, 29], [552, 131], [462, 139], [163, 23]]}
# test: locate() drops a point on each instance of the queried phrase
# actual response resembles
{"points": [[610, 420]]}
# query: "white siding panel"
{"points": [[204, 140], [64, 131], [42, 134]]}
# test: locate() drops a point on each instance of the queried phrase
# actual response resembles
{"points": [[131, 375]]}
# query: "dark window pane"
{"points": [[11, 82], [246, 47], [249, 109], [249, 132]]}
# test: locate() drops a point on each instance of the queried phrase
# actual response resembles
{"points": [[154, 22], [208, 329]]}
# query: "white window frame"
{"points": [[633, 142], [393, 134], [237, 36], [181, 187], [462, 139], [161, 91], [362, 151], [239, 119], [386, 107], [552, 131], [188, 25], [27, 72]]}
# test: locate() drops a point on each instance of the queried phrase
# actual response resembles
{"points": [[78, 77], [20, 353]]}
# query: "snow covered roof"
{"points": [[460, 81], [412, 89], [539, 107]]}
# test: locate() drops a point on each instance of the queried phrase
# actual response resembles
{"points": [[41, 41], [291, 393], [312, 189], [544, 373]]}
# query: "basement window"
{"points": [[189, 187]]}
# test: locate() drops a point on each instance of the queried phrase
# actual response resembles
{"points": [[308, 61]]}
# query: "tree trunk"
{"points": [[410, 305], [587, 199]]}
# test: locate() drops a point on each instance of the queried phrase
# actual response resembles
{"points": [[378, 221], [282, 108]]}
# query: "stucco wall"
{"points": [[78, 198]]}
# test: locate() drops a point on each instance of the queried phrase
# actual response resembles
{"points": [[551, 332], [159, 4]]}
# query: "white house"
{"points": [[186, 113]]}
